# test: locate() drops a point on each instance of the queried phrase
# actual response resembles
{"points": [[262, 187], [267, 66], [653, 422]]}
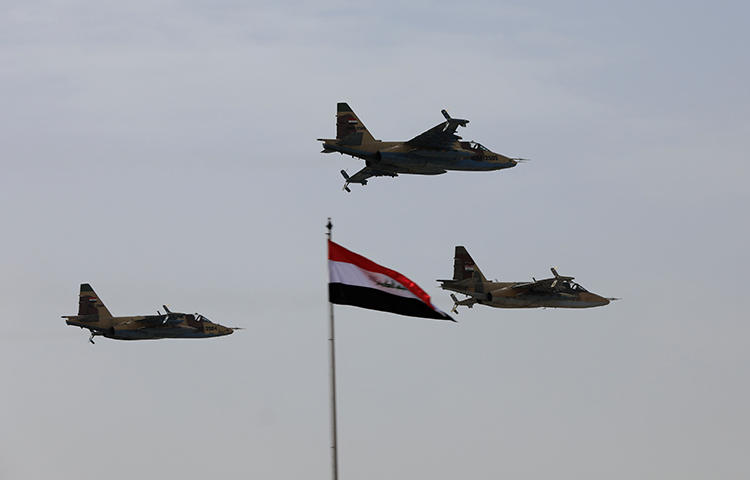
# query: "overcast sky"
{"points": [[165, 153]]}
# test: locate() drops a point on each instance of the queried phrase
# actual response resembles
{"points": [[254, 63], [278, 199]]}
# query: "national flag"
{"points": [[358, 281]]}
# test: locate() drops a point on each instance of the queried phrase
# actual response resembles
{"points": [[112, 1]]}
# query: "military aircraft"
{"points": [[556, 292], [92, 314], [433, 152]]}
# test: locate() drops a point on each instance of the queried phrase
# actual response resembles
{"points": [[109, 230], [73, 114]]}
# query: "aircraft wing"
{"points": [[153, 321], [545, 285], [439, 137], [361, 176], [367, 172], [524, 286]]}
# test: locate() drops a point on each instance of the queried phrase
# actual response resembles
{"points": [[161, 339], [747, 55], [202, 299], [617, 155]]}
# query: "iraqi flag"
{"points": [[355, 280]]}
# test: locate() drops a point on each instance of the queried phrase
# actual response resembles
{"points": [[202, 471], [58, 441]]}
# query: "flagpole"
{"points": [[332, 377]]}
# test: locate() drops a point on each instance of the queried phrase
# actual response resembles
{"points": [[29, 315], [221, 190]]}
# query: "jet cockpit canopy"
{"points": [[474, 146], [577, 287], [196, 320], [478, 146]]}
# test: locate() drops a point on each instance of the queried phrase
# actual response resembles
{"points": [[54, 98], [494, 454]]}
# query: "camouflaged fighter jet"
{"points": [[556, 292], [433, 152], [92, 314]]}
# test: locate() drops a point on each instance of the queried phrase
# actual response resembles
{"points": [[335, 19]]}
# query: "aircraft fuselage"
{"points": [[402, 158], [121, 328], [501, 295]]}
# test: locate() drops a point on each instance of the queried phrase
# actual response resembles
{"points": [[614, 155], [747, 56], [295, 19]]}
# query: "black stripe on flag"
{"points": [[343, 294]]}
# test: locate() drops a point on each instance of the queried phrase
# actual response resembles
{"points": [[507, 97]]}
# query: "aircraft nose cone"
{"points": [[605, 300], [516, 161], [594, 299]]}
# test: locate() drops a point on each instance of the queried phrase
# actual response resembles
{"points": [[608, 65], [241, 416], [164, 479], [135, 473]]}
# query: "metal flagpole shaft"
{"points": [[332, 364]]}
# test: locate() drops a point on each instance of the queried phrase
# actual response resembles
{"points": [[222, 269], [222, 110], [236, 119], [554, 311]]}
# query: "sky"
{"points": [[165, 153]]}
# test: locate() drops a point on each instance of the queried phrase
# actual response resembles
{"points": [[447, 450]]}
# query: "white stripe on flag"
{"points": [[350, 274]]}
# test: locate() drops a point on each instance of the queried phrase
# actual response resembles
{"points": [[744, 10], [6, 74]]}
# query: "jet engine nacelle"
{"points": [[374, 159], [501, 293]]}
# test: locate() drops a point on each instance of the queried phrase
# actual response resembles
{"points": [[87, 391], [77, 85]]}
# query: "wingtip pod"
{"points": [[346, 183], [558, 276], [460, 121]]}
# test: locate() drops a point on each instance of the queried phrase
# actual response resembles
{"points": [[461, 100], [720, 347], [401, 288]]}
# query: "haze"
{"points": [[165, 153]]}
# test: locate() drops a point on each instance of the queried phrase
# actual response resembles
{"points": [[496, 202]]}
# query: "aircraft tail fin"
{"points": [[464, 266], [89, 303], [349, 128]]}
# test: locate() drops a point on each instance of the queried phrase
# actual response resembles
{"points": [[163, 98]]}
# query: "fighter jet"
{"points": [[433, 152], [556, 292], [92, 314]]}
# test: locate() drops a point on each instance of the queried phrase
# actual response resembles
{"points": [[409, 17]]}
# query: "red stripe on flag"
{"points": [[337, 253]]}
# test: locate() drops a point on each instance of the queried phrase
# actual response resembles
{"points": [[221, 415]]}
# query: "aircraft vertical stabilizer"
{"points": [[464, 266], [89, 303], [349, 128]]}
